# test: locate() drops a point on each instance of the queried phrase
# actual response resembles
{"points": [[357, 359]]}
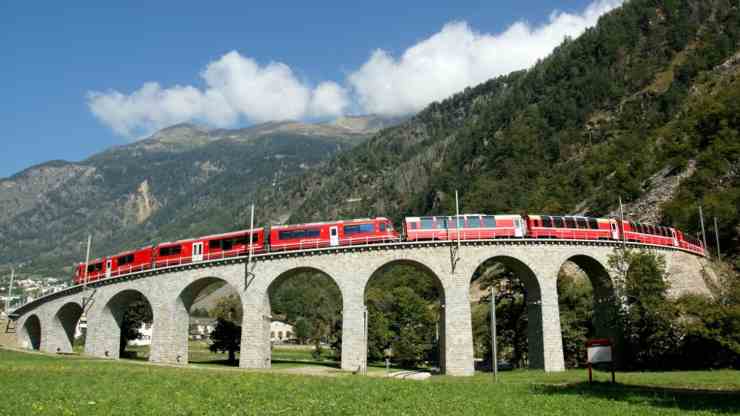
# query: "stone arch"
{"points": [[604, 297], [64, 326], [283, 278], [444, 312], [536, 353], [183, 306], [31, 333], [110, 320]]}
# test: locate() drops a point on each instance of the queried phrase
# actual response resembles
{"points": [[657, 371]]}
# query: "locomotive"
{"points": [[380, 230]]}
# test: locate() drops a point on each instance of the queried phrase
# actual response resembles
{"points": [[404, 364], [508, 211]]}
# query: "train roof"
{"points": [[230, 233], [316, 224], [464, 216]]}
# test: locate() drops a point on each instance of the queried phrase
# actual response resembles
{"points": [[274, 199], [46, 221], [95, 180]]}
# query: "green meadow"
{"points": [[38, 384]]}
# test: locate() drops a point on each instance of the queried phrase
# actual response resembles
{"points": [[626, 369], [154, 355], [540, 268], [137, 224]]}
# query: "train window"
{"points": [[441, 223], [547, 222], [558, 221], [94, 267], [569, 223], [581, 223], [473, 222], [489, 222], [427, 223], [125, 259], [214, 245], [593, 224], [170, 251], [359, 228], [382, 227], [412, 225]]}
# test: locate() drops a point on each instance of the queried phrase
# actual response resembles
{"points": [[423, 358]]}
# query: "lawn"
{"points": [[34, 383]]}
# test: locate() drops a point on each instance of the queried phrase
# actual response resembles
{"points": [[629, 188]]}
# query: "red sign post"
{"points": [[599, 351]]}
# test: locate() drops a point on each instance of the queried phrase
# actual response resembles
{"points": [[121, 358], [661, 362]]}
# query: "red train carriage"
{"points": [[95, 271], [648, 234], [232, 244], [331, 234], [178, 252], [467, 227], [129, 262], [690, 243], [572, 227]]}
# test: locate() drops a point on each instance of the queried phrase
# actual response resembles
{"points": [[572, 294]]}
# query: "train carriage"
{"points": [[129, 262], [233, 244], [331, 234], [648, 234], [572, 227], [464, 227]]}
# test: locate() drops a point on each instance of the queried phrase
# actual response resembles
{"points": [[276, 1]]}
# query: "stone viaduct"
{"points": [[48, 323]]}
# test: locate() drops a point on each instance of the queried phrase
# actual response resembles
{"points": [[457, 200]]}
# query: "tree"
{"points": [[138, 313], [646, 316], [575, 299], [226, 337]]}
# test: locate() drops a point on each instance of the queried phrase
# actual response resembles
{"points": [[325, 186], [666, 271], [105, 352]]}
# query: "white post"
{"points": [[367, 342], [10, 292]]}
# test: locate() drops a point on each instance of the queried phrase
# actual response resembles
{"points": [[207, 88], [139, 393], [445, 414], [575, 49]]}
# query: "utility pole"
{"points": [[10, 292], [364, 369], [703, 233], [716, 237], [494, 347]]}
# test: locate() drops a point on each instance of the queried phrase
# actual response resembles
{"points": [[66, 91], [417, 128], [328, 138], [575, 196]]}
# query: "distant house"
{"points": [[281, 331], [201, 328], [146, 335]]}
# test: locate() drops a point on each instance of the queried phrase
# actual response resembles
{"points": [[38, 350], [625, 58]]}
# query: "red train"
{"points": [[380, 230]]}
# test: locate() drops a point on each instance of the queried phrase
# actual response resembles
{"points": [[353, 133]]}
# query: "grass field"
{"points": [[33, 383]]}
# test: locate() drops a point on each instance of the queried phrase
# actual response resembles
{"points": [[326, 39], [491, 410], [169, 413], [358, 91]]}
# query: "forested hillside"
{"points": [[646, 98]]}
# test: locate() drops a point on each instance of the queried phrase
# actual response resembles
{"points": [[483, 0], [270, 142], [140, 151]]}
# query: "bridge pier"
{"points": [[354, 343], [255, 344], [543, 330], [456, 333], [170, 334]]}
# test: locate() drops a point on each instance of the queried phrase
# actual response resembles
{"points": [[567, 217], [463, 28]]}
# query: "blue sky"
{"points": [[74, 74]]}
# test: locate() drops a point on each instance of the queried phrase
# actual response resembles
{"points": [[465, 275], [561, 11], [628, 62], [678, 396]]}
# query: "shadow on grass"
{"points": [[330, 364], [668, 397]]}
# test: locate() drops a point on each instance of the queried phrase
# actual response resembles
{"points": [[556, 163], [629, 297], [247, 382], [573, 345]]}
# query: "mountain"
{"points": [[642, 107], [184, 180]]}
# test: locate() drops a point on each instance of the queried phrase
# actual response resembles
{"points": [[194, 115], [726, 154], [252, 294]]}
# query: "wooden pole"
{"points": [[87, 262], [621, 223], [457, 221]]}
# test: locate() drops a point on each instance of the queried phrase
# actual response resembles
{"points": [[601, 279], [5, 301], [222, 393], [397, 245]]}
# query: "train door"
{"points": [[518, 227], [198, 251], [615, 229], [675, 238], [108, 267], [334, 236]]}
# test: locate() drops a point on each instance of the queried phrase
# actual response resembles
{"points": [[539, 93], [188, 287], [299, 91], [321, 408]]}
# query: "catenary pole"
{"points": [[716, 237], [251, 242], [10, 291], [703, 233], [621, 223], [494, 346], [87, 261], [457, 220]]}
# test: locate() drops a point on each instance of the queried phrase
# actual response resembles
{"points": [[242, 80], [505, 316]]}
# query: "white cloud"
{"points": [[458, 57], [238, 89]]}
